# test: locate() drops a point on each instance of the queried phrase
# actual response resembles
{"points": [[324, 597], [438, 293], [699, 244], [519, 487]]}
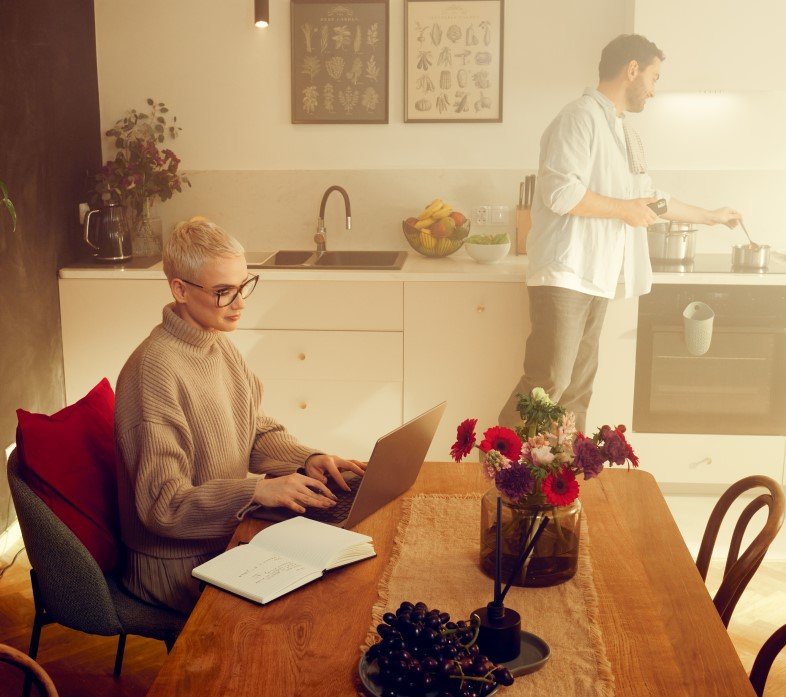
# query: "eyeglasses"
{"points": [[226, 296]]}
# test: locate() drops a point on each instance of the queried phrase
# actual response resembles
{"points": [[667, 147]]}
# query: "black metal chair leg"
{"points": [[121, 647]]}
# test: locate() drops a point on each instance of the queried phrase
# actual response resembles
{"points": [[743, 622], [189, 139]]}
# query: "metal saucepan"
{"points": [[671, 242], [750, 256]]}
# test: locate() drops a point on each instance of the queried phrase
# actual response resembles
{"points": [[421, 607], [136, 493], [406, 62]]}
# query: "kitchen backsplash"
{"points": [[278, 209]]}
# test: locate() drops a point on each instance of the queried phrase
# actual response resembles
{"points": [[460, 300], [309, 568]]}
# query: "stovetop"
{"points": [[719, 263]]}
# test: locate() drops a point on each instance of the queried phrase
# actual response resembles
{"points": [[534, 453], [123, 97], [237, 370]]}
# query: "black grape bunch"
{"points": [[422, 652]]}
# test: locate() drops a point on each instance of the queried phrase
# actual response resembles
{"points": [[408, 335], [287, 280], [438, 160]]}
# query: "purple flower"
{"points": [[613, 448], [587, 456], [514, 482]]}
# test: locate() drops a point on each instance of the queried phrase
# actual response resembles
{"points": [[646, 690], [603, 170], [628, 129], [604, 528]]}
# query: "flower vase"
{"points": [[147, 235], [555, 557]]}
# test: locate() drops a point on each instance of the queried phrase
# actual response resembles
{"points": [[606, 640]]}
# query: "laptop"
{"points": [[393, 467]]}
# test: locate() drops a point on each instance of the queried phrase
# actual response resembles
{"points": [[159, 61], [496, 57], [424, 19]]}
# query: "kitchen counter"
{"points": [[458, 267]]}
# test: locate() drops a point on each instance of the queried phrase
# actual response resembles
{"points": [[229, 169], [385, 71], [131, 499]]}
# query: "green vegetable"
{"points": [[501, 238]]}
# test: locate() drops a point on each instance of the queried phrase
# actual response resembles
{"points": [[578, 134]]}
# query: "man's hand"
{"points": [[295, 491], [724, 216], [321, 466], [637, 213]]}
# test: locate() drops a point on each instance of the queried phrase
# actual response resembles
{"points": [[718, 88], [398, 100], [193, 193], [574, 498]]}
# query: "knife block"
{"points": [[523, 225]]}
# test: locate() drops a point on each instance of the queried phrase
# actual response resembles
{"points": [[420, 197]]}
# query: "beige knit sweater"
{"points": [[188, 428]]}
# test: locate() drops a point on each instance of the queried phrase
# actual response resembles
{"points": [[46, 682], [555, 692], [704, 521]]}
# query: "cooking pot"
{"points": [[750, 256], [671, 242]]}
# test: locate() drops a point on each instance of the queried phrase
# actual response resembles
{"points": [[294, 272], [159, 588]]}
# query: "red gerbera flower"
{"points": [[465, 439], [503, 440], [561, 489]]}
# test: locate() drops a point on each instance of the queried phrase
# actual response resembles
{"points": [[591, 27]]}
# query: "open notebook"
{"points": [[283, 557]]}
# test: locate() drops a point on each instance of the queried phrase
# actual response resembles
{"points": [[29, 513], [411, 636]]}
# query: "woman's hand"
{"points": [[295, 491], [319, 467]]}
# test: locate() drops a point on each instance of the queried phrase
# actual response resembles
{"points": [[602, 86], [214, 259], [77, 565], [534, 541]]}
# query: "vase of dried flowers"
{"points": [[141, 172], [534, 470]]}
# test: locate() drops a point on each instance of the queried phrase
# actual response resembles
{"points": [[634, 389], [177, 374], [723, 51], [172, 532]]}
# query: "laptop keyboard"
{"points": [[340, 511]]}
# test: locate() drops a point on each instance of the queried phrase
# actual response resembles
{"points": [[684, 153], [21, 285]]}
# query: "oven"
{"points": [[737, 387]]}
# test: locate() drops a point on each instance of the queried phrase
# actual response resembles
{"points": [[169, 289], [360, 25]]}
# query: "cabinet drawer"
{"points": [[343, 419], [708, 459], [344, 356], [370, 305]]}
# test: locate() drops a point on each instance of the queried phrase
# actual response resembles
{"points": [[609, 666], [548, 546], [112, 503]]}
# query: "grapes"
{"points": [[422, 651]]}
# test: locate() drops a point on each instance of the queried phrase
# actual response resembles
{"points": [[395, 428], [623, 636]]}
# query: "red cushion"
{"points": [[68, 460]]}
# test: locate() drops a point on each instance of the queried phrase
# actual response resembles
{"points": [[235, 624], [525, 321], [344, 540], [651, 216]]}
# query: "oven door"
{"points": [[737, 387]]}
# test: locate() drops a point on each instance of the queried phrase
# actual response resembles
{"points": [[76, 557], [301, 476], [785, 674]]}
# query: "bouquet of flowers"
{"points": [[140, 171], [538, 462]]}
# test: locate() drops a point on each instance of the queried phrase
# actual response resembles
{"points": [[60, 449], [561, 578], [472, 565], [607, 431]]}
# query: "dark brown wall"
{"points": [[49, 136]]}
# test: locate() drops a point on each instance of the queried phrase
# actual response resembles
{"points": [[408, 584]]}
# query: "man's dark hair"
{"points": [[624, 49]]}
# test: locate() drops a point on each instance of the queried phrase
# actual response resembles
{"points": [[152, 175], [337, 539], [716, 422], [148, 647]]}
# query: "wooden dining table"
{"points": [[662, 633]]}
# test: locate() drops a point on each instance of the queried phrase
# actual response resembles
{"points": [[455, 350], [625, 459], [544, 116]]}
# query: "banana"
{"points": [[425, 222], [435, 205], [426, 240], [443, 212]]}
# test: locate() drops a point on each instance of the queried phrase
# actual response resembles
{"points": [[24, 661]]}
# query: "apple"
{"points": [[458, 218], [443, 227], [411, 221]]}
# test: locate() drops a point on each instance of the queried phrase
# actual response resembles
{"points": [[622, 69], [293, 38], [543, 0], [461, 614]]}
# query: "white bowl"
{"points": [[487, 253]]}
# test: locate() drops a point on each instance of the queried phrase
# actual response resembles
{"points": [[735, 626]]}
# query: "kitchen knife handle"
{"points": [[659, 207]]}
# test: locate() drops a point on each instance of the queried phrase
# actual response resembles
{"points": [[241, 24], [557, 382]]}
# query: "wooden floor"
{"points": [[81, 665]]}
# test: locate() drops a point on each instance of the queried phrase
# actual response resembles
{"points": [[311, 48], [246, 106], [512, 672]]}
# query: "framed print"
{"points": [[453, 60], [339, 61]]}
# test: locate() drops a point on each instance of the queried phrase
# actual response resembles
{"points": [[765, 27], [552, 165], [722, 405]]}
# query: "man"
{"points": [[590, 214]]}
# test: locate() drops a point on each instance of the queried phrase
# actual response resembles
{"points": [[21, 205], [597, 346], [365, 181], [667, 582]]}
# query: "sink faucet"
{"points": [[320, 237]]}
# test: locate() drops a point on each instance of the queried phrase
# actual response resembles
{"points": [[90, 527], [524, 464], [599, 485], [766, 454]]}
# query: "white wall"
{"points": [[261, 176], [229, 84]]}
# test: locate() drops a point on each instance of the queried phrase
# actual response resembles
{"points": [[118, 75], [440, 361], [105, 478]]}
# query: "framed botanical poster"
{"points": [[453, 60], [339, 61]]}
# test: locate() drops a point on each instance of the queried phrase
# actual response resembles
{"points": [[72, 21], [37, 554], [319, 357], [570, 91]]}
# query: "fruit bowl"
{"points": [[424, 242], [438, 231]]}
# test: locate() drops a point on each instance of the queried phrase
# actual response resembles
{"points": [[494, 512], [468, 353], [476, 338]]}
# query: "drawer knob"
{"points": [[481, 309], [303, 405], [301, 356]]}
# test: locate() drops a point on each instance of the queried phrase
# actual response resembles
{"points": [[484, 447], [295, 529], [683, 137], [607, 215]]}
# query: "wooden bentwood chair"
{"points": [[767, 655], [33, 672], [740, 568]]}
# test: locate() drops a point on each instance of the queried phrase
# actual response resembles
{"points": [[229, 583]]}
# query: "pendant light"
{"points": [[261, 13]]}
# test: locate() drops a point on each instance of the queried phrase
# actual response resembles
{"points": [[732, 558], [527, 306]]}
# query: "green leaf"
{"points": [[159, 128], [11, 211], [143, 116], [118, 142], [150, 101], [160, 119], [160, 139], [3, 188], [164, 109]]}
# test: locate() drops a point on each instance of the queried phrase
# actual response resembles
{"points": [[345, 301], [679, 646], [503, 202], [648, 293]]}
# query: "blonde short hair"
{"points": [[192, 243]]}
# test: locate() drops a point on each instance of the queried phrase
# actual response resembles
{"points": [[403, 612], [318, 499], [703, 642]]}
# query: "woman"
{"points": [[189, 427]]}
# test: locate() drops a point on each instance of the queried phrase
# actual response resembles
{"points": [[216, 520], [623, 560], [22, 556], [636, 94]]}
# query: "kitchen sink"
{"points": [[361, 260]]}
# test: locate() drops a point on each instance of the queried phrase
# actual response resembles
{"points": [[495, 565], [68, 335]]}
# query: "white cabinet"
{"points": [[103, 321], [731, 45], [330, 355], [464, 343]]}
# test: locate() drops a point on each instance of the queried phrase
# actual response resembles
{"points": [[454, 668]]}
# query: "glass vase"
{"points": [[147, 235], [555, 557]]}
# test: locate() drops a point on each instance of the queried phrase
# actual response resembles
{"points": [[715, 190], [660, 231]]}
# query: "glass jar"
{"points": [[555, 557]]}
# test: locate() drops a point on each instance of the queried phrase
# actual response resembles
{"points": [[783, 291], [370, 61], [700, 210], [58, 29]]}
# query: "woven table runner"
{"points": [[435, 560]]}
